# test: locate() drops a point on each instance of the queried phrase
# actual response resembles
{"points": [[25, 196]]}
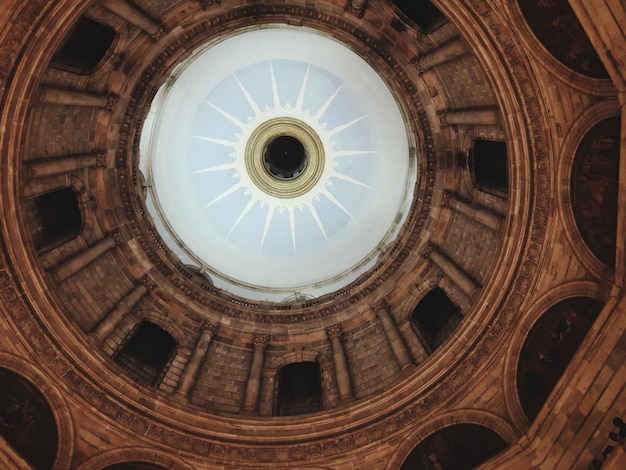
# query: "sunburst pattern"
{"points": [[209, 209], [258, 199]]}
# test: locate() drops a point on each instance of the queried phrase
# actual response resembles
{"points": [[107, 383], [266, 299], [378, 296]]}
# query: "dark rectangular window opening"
{"points": [[59, 217], [435, 318], [84, 47], [299, 389]]}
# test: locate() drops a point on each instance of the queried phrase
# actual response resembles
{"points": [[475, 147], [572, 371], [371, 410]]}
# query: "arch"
{"points": [[51, 398], [557, 28], [435, 318], [120, 456], [479, 418], [147, 352], [84, 47], [549, 347], [594, 187], [298, 389], [529, 319], [488, 164], [299, 357], [572, 143]]}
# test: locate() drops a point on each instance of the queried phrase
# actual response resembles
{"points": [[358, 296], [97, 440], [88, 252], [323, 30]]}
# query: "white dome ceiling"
{"points": [[257, 235]]}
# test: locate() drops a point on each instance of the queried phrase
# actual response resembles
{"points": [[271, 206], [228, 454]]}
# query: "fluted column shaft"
{"points": [[485, 117], [254, 377], [81, 260], [63, 96], [341, 364], [393, 336], [55, 166], [448, 51], [135, 16], [480, 215], [193, 366], [452, 271], [115, 316]]}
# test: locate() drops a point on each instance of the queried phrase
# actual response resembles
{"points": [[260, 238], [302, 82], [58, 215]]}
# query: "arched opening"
{"points": [[489, 166], [556, 26], [84, 47], [549, 347], [594, 188], [435, 318], [422, 12], [26, 421], [56, 218], [299, 389], [458, 447], [147, 353]]}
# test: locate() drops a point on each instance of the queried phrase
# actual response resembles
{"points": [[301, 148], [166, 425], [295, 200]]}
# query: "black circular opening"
{"points": [[285, 157]]}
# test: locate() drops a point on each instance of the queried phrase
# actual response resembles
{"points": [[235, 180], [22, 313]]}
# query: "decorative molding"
{"points": [[263, 340], [334, 330], [428, 250], [111, 100]]}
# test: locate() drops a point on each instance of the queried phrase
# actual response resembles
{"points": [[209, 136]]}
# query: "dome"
{"points": [[313, 235]]}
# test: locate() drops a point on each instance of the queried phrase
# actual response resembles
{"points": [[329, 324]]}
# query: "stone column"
{"points": [[470, 117], [479, 214], [341, 364], [50, 95], [135, 16], [393, 335], [121, 310], [57, 165], [197, 357], [76, 263], [441, 55], [451, 270], [253, 387]]}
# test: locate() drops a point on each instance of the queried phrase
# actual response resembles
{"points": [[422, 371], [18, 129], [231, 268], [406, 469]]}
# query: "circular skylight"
{"points": [[277, 162]]}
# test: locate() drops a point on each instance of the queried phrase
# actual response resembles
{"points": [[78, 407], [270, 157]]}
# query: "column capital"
{"points": [[117, 237], [160, 31], [99, 156], [443, 118], [416, 60], [111, 100], [357, 11], [334, 331], [207, 3], [447, 198], [261, 340], [207, 326], [148, 283], [428, 250], [381, 305]]}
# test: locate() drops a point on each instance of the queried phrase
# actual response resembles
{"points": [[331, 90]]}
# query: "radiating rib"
{"points": [[302, 89], [228, 116], [343, 127], [268, 221], [244, 212], [343, 177], [249, 99], [275, 96], [316, 217], [292, 226], [225, 166], [325, 106], [228, 192], [225, 143], [349, 153], [337, 203]]}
